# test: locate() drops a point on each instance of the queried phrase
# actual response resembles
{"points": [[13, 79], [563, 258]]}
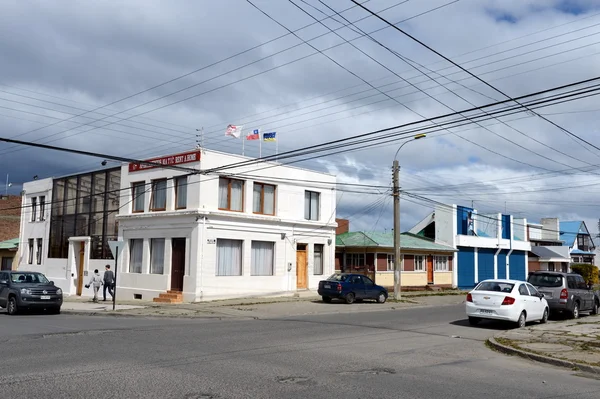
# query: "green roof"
{"points": [[359, 239], [9, 244]]}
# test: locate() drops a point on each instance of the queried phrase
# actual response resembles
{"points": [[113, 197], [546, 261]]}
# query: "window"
{"points": [[390, 263], [157, 255], [355, 259], [532, 290], [523, 290], [6, 265], [136, 248], [441, 264], [231, 194], [420, 263], [318, 258], [159, 195], [311, 205], [571, 282], [30, 248], [139, 196], [181, 184], [497, 286], [263, 199], [42, 207], [229, 257], [33, 208], [39, 251], [367, 281], [262, 258]]}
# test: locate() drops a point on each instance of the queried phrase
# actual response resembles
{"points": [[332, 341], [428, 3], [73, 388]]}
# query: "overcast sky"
{"points": [[61, 59]]}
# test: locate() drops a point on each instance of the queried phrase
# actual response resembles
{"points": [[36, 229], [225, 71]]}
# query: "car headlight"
{"points": [[59, 292], [25, 291]]}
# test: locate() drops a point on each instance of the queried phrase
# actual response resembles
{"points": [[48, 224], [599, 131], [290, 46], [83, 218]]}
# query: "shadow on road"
{"points": [[484, 324]]}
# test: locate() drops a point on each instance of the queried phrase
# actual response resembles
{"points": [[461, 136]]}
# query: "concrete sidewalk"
{"points": [[305, 303], [574, 343]]}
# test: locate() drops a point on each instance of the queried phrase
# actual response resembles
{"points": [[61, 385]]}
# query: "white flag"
{"points": [[234, 131]]}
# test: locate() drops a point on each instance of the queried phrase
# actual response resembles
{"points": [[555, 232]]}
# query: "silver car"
{"points": [[565, 292]]}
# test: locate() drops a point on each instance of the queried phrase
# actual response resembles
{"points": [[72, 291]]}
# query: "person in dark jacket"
{"points": [[109, 282]]}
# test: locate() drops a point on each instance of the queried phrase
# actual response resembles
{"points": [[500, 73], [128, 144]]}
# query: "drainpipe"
{"points": [[511, 248], [496, 262], [499, 234], [202, 239]]}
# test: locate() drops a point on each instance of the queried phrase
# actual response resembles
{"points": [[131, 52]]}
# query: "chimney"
{"points": [[343, 226]]}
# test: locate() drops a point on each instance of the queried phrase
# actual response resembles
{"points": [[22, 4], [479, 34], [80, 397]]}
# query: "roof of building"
{"points": [[10, 244], [386, 240], [570, 229], [580, 252], [547, 253]]}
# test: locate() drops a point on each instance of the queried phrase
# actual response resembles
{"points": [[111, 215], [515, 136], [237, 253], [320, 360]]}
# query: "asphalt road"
{"points": [[409, 353]]}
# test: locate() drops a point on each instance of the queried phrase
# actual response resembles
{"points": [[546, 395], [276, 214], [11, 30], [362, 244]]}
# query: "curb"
{"points": [[146, 316], [509, 350]]}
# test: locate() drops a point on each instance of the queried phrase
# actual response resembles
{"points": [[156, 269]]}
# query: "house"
{"points": [[547, 250], [8, 253], [488, 245], [10, 224], [424, 263], [249, 230], [577, 237]]}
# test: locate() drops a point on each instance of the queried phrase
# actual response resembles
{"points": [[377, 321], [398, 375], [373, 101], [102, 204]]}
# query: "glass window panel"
{"points": [[159, 195], [269, 200], [229, 257], [157, 255], [99, 191], [58, 195], [237, 194], [71, 196], [139, 196], [181, 192], [223, 193], [85, 191], [114, 185], [262, 258], [256, 198]]}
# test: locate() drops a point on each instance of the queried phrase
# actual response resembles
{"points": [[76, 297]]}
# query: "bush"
{"points": [[589, 272]]}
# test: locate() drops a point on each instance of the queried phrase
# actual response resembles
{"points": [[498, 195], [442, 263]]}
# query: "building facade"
{"points": [[424, 263], [488, 245], [251, 230]]}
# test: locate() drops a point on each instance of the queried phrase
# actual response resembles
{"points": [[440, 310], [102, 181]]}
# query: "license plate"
{"points": [[327, 286], [45, 297], [485, 311]]}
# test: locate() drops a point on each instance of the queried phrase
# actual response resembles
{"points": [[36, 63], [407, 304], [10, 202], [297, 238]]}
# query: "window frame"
{"points": [[153, 185], [309, 216], [33, 209], [142, 185], [42, 203], [241, 259], [389, 267], [30, 249], [356, 256], [253, 271], [229, 182], [322, 252], [262, 198], [177, 180], [446, 267], [423, 267], [39, 248]]}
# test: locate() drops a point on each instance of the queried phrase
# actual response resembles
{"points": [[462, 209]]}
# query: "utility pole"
{"points": [[397, 256]]}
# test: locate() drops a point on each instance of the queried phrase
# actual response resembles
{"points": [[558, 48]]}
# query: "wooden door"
{"points": [[177, 264], [430, 269], [80, 260], [301, 267]]}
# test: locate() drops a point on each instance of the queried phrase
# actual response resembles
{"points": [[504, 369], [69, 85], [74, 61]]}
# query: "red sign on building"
{"points": [[178, 159]]}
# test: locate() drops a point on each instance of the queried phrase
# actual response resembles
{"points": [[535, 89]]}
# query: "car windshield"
{"points": [[28, 278], [338, 277], [545, 280], [498, 286]]}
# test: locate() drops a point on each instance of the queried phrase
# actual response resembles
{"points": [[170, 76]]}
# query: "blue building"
{"points": [[488, 245]]}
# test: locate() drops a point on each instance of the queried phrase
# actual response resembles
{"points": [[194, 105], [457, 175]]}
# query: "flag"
{"points": [[255, 135], [234, 130], [269, 136]]}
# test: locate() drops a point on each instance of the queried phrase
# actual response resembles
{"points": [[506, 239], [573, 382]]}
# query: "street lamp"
{"points": [[396, 194]]}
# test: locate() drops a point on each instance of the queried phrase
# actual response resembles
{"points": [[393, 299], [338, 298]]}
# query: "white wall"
{"points": [[551, 228], [40, 228]]}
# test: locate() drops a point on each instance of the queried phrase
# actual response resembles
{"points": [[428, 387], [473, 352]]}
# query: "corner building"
{"points": [[262, 229]]}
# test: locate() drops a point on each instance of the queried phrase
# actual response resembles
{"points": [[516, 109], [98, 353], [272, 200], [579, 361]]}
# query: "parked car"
{"points": [[28, 290], [565, 292], [506, 300], [351, 287]]}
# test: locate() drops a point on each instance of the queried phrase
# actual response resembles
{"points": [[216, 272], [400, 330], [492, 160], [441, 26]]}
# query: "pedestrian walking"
{"points": [[109, 282], [95, 282]]}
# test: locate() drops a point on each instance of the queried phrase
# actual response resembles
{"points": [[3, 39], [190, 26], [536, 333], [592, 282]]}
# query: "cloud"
{"points": [[75, 57]]}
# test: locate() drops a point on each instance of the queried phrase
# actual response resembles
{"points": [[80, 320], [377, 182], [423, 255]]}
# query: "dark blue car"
{"points": [[350, 287]]}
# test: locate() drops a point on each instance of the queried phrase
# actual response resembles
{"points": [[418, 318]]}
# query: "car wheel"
{"points": [[474, 321], [349, 298], [326, 299], [12, 307], [522, 320], [595, 308], [381, 297], [545, 316], [575, 311]]}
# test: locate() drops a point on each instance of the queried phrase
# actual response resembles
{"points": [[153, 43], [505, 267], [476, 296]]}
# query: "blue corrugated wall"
{"points": [[462, 214], [502, 264], [506, 227], [485, 266], [517, 265], [466, 267]]}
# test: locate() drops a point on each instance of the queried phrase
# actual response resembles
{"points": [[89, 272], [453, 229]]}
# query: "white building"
{"points": [[260, 229]]}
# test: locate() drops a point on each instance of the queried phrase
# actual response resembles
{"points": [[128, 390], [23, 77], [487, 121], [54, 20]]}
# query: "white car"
{"points": [[506, 300]]}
